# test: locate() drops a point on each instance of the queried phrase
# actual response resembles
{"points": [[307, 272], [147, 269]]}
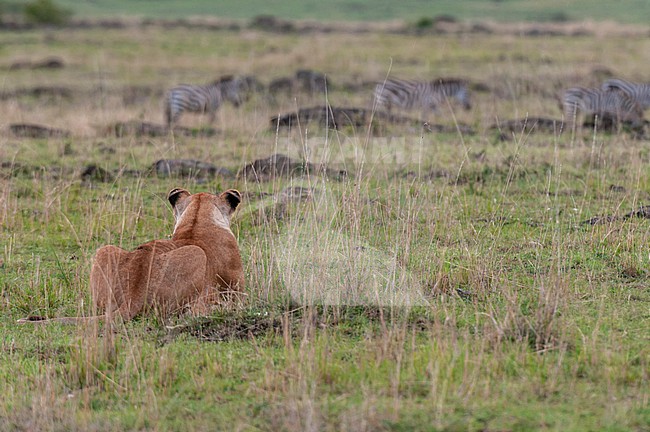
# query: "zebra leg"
{"points": [[175, 118], [571, 115], [171, 117], [212, 116], [168, 116]]}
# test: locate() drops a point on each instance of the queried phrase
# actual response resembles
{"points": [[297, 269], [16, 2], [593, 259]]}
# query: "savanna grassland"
{"points": [[627, 11], [445, 282]]}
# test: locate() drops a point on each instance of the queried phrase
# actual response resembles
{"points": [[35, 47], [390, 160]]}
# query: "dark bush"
{"points": [[444, 18], [46, 12], [424, 23], [559, 16]]}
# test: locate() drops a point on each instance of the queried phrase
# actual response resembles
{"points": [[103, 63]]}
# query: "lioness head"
{"points": [[222, 205]]}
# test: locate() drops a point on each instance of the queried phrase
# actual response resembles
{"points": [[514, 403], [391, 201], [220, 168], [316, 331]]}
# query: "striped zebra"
{"points": [[609, 105], [637, 91], [202, 98], [411, 95]]}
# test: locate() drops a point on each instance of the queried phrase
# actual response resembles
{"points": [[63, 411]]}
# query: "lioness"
{"points": [[194, 268]]}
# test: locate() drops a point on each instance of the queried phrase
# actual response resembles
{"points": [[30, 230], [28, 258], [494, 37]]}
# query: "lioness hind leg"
{"points": [[107, 278], [181, 278]]}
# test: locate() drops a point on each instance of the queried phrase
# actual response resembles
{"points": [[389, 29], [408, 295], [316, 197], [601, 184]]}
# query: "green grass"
{"points": [[519, 316], [625, 11]]}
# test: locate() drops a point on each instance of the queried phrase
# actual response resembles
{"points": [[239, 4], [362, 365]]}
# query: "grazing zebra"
{"points": [[202, 98], [637, 91], [610, 105], [430, 95]]}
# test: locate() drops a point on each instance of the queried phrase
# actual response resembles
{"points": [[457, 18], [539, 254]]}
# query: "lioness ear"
{"points": [[175, 194], [232, 197]]}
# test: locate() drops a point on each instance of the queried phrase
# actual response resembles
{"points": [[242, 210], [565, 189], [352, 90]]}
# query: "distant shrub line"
{"points": [[40, 12]]}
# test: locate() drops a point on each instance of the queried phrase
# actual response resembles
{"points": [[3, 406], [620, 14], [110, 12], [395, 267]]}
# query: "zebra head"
{"points": [[230, 89]]}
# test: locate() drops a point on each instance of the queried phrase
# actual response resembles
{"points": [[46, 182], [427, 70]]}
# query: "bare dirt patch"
{"points": [[338, 118], [279, 165], [642, 212], [147, 129], [227, 328], [51, 92], [529, 125], [188, 168], [95, 173], [27, 130], [46, 63]]}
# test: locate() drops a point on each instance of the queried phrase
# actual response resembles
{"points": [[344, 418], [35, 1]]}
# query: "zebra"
{"points": [[610, 105], [410, 95], [203, 98], [637, 91]]}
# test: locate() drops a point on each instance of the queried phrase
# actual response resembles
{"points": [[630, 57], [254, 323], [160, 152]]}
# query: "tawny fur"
{"points": [[194, 268]]}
